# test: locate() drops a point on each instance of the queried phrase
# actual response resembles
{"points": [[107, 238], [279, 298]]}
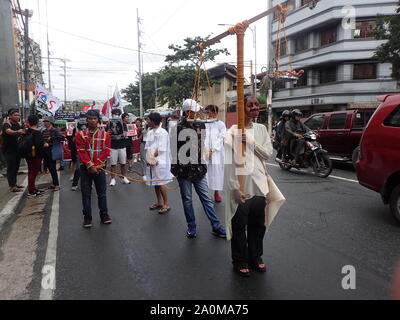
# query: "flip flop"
{"points": [[164, 210], [155, 207]]}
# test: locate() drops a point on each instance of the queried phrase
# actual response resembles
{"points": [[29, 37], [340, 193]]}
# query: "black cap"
{"points": [[12, 111]]}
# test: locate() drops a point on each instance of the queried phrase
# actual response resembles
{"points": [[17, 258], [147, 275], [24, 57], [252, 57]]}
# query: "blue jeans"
{"points": [[100, 183], [201, 187]]}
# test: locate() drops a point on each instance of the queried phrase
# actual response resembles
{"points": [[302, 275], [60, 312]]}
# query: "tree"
{"points": [[189, 53], [131, 93], [178, 78], [131, 109], [388, 28]]}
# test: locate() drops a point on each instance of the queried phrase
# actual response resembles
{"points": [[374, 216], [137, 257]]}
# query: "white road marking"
{"points": [[48, 271], [334, 177], [11, 206]]}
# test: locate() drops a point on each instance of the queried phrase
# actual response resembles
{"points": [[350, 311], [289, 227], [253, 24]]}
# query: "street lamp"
{"points": [[254, 31]]}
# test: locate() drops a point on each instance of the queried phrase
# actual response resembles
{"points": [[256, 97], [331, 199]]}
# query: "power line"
{"points": [[104, 43]]}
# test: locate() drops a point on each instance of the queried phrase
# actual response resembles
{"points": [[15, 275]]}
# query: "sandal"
{"points": [[155, 207], [242, 270], [259, 266], [164, 210]]}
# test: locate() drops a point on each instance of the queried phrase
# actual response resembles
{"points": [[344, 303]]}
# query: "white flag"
{"points": [[45, 100], [117, 99]]}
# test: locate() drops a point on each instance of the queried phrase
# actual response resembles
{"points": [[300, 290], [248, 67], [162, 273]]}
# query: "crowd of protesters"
{"points": [[189, 149], [36, 141]]}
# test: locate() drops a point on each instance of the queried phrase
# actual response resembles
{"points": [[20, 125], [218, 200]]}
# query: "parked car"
{"points": [[340, 132], [378, 167]]}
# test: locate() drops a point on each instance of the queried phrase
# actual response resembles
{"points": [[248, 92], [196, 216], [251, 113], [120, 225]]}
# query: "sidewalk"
{"points": [[22, 242], [9, 201]]}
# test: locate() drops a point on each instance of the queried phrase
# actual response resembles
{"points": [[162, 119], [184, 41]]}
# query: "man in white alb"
{"points": [[215, 137]]}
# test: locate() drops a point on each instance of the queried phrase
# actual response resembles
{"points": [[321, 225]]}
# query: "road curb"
{"points": [[12, 206]]}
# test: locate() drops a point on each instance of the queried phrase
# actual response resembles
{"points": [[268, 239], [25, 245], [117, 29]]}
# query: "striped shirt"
{"points": [[93, 147]]}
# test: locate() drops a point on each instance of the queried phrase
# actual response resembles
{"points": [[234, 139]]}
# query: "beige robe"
{"points": [[258, 182]]}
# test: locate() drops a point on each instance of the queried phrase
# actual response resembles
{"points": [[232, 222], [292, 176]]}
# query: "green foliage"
{"points": [[189, 53], [131, 109], [388, 28], [262, 99], [32, 108], [176, 80], [131, 93], [177, 84]]}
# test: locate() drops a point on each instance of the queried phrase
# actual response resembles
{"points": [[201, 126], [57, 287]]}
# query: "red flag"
{"points": [[106, 111], [87, 108]]}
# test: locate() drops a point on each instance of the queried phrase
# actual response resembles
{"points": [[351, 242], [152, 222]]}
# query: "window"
{"points": [[305, 2], [329, 36], [232, 108], [361, 119], [338, 121], [394, 119], [303, 81], [302, 43], [365, 29], [283, 48], [364, 71], [327, 75], [316, 123], [280, 85]]}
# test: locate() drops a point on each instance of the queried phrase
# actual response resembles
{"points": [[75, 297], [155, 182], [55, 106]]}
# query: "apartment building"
{"points": [[340, 72]]}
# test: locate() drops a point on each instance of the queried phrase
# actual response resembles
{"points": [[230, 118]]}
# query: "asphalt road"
{"points": [[325, 225]]}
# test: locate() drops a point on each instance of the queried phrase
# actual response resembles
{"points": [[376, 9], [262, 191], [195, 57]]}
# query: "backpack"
{"points": [[26, 146], [2, 134]]}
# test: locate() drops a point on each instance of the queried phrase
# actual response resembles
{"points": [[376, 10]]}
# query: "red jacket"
{"points": [[93, 149]]}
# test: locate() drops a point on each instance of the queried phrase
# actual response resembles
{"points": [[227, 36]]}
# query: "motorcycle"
{"points": [[313, 156]]}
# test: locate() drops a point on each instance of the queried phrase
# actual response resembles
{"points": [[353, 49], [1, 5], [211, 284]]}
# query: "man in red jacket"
{"points": [[93, 147]]}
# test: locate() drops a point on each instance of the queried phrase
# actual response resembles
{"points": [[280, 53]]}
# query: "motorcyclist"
{"points": [[280, 135], [294, 131]]}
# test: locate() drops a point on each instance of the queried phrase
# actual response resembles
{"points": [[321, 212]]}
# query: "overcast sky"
{"points": [[95, 69]]}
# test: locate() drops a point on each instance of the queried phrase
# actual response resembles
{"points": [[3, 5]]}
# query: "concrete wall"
{"points": [[8, 72]]}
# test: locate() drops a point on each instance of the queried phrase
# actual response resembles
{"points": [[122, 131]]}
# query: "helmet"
{"points": [[285, 113], [297, 113]]}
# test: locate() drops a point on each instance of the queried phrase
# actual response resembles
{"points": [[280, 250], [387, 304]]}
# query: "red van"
{"points": [[340, 132], [378, 167]]}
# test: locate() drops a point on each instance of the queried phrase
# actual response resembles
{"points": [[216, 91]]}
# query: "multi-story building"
{"points": [[340, 72], [35, 64]]}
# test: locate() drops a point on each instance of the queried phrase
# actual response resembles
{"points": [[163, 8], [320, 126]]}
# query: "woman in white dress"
{"points": [[158, 159], [215, 136]]}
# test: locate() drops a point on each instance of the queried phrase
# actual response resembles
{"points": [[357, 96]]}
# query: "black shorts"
{"points": [[129, 152]]}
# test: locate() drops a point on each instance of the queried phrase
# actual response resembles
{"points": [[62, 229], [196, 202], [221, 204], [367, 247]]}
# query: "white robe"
{"points": [[158, 140], [258, 182], [215, 137]]}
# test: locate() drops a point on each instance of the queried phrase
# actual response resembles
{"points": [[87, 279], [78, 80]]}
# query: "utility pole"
{"points": [[140, 65], [156, 85], [255, 60], [48, 50], [27, 14], [270, 82], [65, 83]]}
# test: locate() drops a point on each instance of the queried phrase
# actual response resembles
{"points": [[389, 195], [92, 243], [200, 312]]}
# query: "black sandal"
{"points": [[239, 269], [257, 266]]}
